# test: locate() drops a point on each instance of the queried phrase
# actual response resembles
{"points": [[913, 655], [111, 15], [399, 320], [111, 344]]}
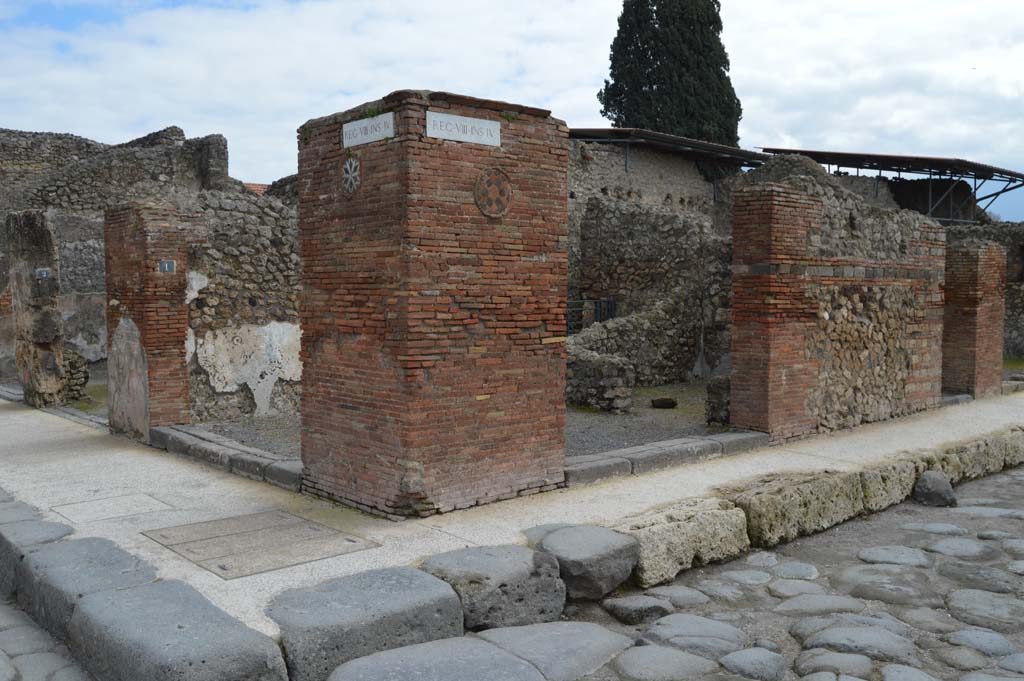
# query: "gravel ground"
{"points": [[277, 434], [912, 589]]}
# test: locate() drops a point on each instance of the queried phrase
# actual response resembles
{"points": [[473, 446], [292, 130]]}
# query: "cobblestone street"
{"points": [[908, 594], [27, 653]]}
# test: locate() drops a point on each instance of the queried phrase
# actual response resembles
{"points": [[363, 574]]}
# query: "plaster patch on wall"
{"points": [[197, 281], [190, 345], [257, 356]]}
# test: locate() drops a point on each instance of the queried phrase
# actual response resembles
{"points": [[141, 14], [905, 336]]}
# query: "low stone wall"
{"points": [[603, 382]]}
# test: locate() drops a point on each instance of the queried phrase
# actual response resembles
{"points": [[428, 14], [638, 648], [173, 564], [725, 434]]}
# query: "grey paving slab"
{"points": [[454, 659], [562, 651]]}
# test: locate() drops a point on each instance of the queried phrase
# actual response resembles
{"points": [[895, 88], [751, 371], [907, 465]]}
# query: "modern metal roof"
{"points": [[699, 149], [905, 164]]}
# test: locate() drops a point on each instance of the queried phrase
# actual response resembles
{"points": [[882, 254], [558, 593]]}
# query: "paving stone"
{"points": [[25, 641], [16, 511], [762, 559], [802, 629], [983, 640], [989, 512], [638, 609], [934, 528], [795, 570], [11, 617], [592, 560], [899, 672], [933, 489], [985, 676], [787, 588], [747, 577], [680, 596], [1013, 663], [819, 604], [453, 659], [72, 673], [874, 642], [963, 548], [7, 670], [822, 660], [895, 555], [1014, 547], [502, 586], [878, 619], [994, 534], [699, 635], [767, 644], [16, 539], [361, 614], [986, 609], [657, 663], [929, 619], [40, 666], [56, 576], [1016, 567], [976, 577], [722, 591], [562, 651], [164, 632], [962, 658], [756, 663], [893, 584]]}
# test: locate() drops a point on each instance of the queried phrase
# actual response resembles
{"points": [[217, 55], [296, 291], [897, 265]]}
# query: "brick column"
{"points": [[433, 308], [972, 338], [147, 318]]}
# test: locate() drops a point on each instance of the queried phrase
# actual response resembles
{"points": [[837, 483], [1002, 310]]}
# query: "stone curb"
{"points": [[228, 455], [655, 456], [120, 621]]}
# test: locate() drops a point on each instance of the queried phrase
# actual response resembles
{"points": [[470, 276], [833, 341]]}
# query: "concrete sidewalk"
{"points": [[107, 486]]}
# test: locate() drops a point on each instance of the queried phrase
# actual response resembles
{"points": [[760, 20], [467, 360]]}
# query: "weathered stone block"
{"points": [[54, 578], [167, 631], [502, 586], [369, 612], [17, 539], [690, 533], [592, 560], [887, 484]]}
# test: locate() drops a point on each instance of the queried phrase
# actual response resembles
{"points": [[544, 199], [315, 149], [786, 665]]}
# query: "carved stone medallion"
{"points": [[493, 193], [350, 179]]}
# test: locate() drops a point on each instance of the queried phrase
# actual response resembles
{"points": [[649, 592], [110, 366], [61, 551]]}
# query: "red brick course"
{"points": [[433, 336], [972, 340], [774, 268], [137, 238]]}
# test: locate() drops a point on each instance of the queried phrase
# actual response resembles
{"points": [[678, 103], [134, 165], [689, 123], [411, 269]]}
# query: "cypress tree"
{"points": [[670, 71]]}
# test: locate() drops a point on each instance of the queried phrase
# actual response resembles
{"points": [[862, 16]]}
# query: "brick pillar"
{"points": [[433, 309], [147, 318], [771, 373], [972, 338]]}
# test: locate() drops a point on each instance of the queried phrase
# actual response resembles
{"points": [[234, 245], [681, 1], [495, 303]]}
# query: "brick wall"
{"points": [[137, 239], [433, 336], [814, 326], [972, 340]]}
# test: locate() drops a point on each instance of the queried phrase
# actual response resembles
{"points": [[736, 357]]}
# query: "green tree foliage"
{"points": [[670, 71]]}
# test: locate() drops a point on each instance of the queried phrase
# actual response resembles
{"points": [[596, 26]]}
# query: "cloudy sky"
{"points": [[935, 77]]}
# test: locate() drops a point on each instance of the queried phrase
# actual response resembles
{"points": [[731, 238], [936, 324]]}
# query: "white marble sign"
{"points": [[463, 129], [368, 130]]}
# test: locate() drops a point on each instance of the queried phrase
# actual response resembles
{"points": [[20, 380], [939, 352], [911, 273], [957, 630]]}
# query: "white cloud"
{"points": [[935, 77]]}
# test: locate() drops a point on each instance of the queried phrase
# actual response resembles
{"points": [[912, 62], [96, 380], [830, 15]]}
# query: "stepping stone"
{"points": [[756, 663], [821, 660], [874, 642], [680, 596], [699, 635], [899, 672], [562, 651], [19, 538], [934, 528], [983, 640], [501, 586], [984, 578], [592, 560], [1013, 663], [1014, 547], [963, 548], [657, 663], [819, 604], [339, 620], [638, 609], [962, 658], [795, 571], [895, 555], [762, 559], [933, 489], [994, 534], [787, 588], [985, 609], [748, 577], [453, 659], [55, 577], [166, 631]]}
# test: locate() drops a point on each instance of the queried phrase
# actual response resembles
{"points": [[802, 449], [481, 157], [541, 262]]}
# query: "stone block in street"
{"points": [[452, 659], [327, 625], [562, 651], [17, 539], [934, 489], [502, 586], [592, 560], [168, 631], [658, 663]]}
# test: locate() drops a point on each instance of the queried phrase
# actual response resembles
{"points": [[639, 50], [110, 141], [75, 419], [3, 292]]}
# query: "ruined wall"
{"points": [[837, 307]]}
